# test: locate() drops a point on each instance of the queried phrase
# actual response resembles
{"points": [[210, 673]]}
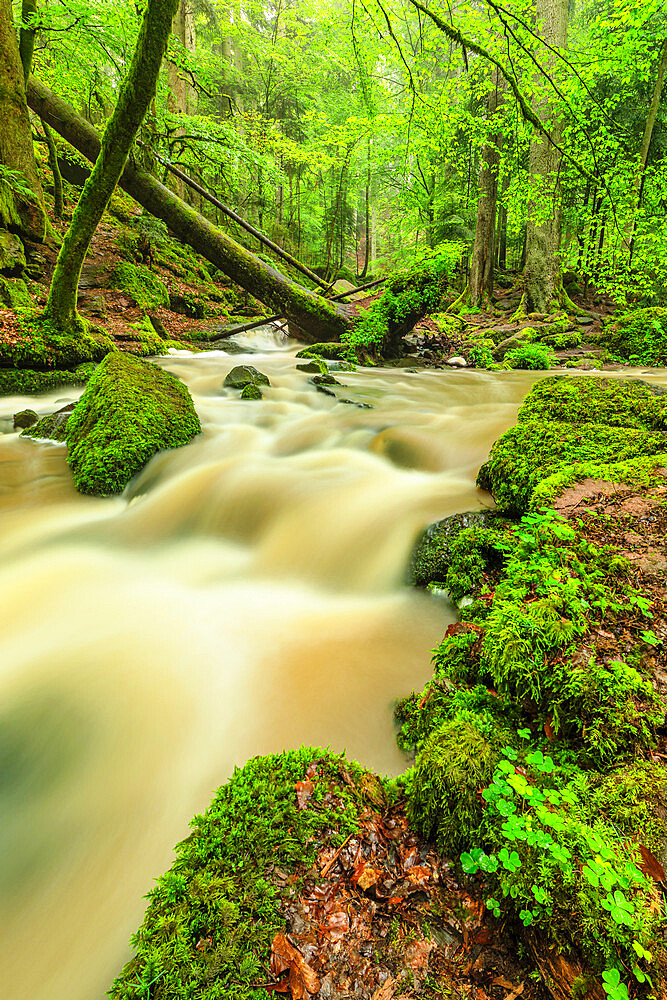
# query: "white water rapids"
{"points": [[244, 595]]}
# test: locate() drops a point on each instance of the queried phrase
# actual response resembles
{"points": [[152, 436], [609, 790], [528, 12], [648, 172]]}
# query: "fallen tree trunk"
{"points": [[316, 318]]}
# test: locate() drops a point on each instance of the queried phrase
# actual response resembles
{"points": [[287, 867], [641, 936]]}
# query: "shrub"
{"points": [[529, 356]]}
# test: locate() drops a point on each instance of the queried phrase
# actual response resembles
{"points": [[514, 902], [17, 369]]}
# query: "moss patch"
{"points": [[144, 288], [41, 344], [640, 336], [212, 917], [130, 410], [25, 382], [614, 402]]}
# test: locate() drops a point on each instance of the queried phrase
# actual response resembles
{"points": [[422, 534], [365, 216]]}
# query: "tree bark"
{"points": [[481, 262], [646, 145], [182, 98], [135, 96], [318, 318], [16, 149], [542, 274]]}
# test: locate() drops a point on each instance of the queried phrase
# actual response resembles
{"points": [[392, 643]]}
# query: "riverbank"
{"points": [[539, 782]]}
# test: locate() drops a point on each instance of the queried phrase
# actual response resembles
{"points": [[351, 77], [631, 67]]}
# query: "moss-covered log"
{"points": [[130, 410], [317, 318], [136, 93]]}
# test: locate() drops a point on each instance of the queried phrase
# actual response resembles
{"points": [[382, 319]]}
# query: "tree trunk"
{"points": [[481, 262], [646, 145], [318, 318], [25, 214], [26, 50], [542, 274], [182, 98], [136, 93]]}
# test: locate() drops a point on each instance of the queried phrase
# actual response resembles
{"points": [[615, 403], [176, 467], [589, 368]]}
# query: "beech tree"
{"points": [[21, 197], [136, 93]]}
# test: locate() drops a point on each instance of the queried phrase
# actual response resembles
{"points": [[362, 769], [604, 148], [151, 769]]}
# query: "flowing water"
{"points": [[244, 595]]}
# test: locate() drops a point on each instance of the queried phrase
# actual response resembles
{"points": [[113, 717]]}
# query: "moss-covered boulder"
{"points": [[130, 410], [53, 427], [244, 375], [432, 554], [563, 422], [211, 919], [330, 352], [615, 402], [14, 293], [24, 419], [144, 288], [251, 391], [534, 449]]}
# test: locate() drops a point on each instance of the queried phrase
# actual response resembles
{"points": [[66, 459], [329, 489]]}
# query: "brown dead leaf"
{"points": [[386, 991], [549, 730], [337, 925], [650, 865], [365, 876], [303, 979], [419, 875], [416, 954], [304, 789]]}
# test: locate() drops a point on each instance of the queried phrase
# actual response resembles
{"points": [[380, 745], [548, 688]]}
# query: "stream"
{"points": [[245, 594]]}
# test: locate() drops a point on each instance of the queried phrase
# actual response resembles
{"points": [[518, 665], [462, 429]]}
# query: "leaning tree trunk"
{"points": [[481, 261], [316, 317], [135, 96], [542, 273], [24, 213]]}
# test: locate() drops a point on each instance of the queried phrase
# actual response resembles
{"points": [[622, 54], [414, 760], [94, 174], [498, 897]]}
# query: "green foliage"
{"points": [[480, 356], [144, 287], [640, 336], [474, 552], [558, 866], [556, 585], [43, 344], [219, 891], [13, 185], [129, 410], [529, 356], [409, 294], [14, 293]]}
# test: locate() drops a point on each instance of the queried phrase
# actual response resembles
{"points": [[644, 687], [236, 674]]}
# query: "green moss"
{"points": [[614, 402], [640, 336], [24, 382], [251, 391], [534, 449], [408, 296], [331, 352], [432, 555], [149, 342], [211, 918], [42, 344], [143, 287], [634, 472], [244, 375], [53, 427], [129, 411], [14, 293], [444, 804]]}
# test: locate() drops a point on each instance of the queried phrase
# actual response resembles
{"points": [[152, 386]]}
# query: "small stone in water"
{"points": [[457, 362], [25, 418]]}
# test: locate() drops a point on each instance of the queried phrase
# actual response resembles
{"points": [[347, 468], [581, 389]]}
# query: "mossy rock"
{"points": [[614, 402], [534, 449], [130, 410], [12, 253], [221, 890], [251, 391], [25, 419], [25, 382], [14, 293], [244, 375], [640, 336], [330, 352], [189, 305], [432, 554], [144, 288], [53, 427], [444, 804]]}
